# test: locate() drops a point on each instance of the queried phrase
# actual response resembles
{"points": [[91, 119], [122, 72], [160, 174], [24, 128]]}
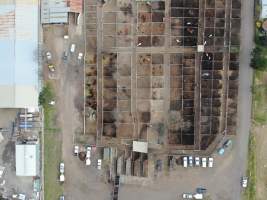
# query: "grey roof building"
{"points": [[19, 54]]}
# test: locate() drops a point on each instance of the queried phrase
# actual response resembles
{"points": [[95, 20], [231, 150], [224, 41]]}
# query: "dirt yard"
{"points": [[82, 182]]}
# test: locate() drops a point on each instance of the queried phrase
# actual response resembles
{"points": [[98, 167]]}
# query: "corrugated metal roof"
{"points": [[26, 159], [54, 11], [19, 48], [75, 5], [264, 9], [141, 147]]}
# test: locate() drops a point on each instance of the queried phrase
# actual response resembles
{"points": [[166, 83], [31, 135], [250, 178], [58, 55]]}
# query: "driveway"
{"points": [[222, 181], [82, 182]]}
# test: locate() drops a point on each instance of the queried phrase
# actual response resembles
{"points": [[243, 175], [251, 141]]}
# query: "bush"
{"points": [[259, 58]]}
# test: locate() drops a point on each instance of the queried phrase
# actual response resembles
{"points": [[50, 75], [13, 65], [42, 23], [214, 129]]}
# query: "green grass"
{"points": [[259, 90], [52, 145], [52, 158], [250, 193]]}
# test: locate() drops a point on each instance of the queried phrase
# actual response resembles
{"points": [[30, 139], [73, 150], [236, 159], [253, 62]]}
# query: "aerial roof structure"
{"points": [[141, 147], [57, 11], [26, 159], [19, 53], [264, 9], [54, 11]]}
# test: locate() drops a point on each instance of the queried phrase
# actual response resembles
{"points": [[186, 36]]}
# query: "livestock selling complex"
{"points": [[169, 77]]}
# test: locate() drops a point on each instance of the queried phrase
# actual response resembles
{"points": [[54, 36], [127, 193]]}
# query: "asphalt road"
{"points": [[222, 181]]}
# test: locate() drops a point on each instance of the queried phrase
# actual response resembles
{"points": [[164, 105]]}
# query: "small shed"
{"points": [[141, 147], [54, 11], [27, 159]]}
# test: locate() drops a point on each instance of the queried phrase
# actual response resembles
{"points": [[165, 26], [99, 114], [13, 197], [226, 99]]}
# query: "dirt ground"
{"points": [[81, 182]]}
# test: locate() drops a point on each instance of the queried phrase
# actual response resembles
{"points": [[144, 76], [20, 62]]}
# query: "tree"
{"points": [[259, 59], [46, 95]]}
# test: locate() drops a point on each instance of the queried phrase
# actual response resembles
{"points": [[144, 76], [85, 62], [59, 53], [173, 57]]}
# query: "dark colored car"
{"points": [[227, 143], [201, 190]]}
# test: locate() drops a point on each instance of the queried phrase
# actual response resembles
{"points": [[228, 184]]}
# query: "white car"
{"points": [[61, 178], [197, 161], [80, 56], [48, 55], [99, 164], [187, 196], [76, 150], [66, 37], [198, 196], [190, 158], [244, 182], [210, 162], [185, 161], [72, 48], [61, 168], [204, 162], [88, 152], [88, 161]]}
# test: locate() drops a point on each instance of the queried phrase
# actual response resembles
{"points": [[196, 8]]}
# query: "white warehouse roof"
{"points": [[264, 9], [19, 54], [26, 159]]}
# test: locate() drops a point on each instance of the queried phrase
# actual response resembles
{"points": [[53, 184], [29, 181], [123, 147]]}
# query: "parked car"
{"points": [[210, 162], [190, 159], [244, 182], [80, 56], [76, 150], [99, 164], [198, 196], [61, 197], [201, 190], [66, 37], [227, 143], [187, 196], [197, 161], [72, 48], [88, 152], [185, 161], [48, 55], [88, 161], [61, 168], [61, 178], [221, 151], [65, 55], [204, 162], [21, 196], [51, 68]]}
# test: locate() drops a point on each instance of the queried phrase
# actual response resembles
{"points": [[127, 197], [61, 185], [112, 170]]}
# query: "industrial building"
{"points": [[19, 53], [57, 11], [264, 9], [27, 159]]}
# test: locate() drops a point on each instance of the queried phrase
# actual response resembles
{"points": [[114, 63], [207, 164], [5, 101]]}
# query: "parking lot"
{"points": [[222, 181]]}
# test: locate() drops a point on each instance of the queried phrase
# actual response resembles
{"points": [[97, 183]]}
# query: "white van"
{"points": [[72, 48], [185, 161]]}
